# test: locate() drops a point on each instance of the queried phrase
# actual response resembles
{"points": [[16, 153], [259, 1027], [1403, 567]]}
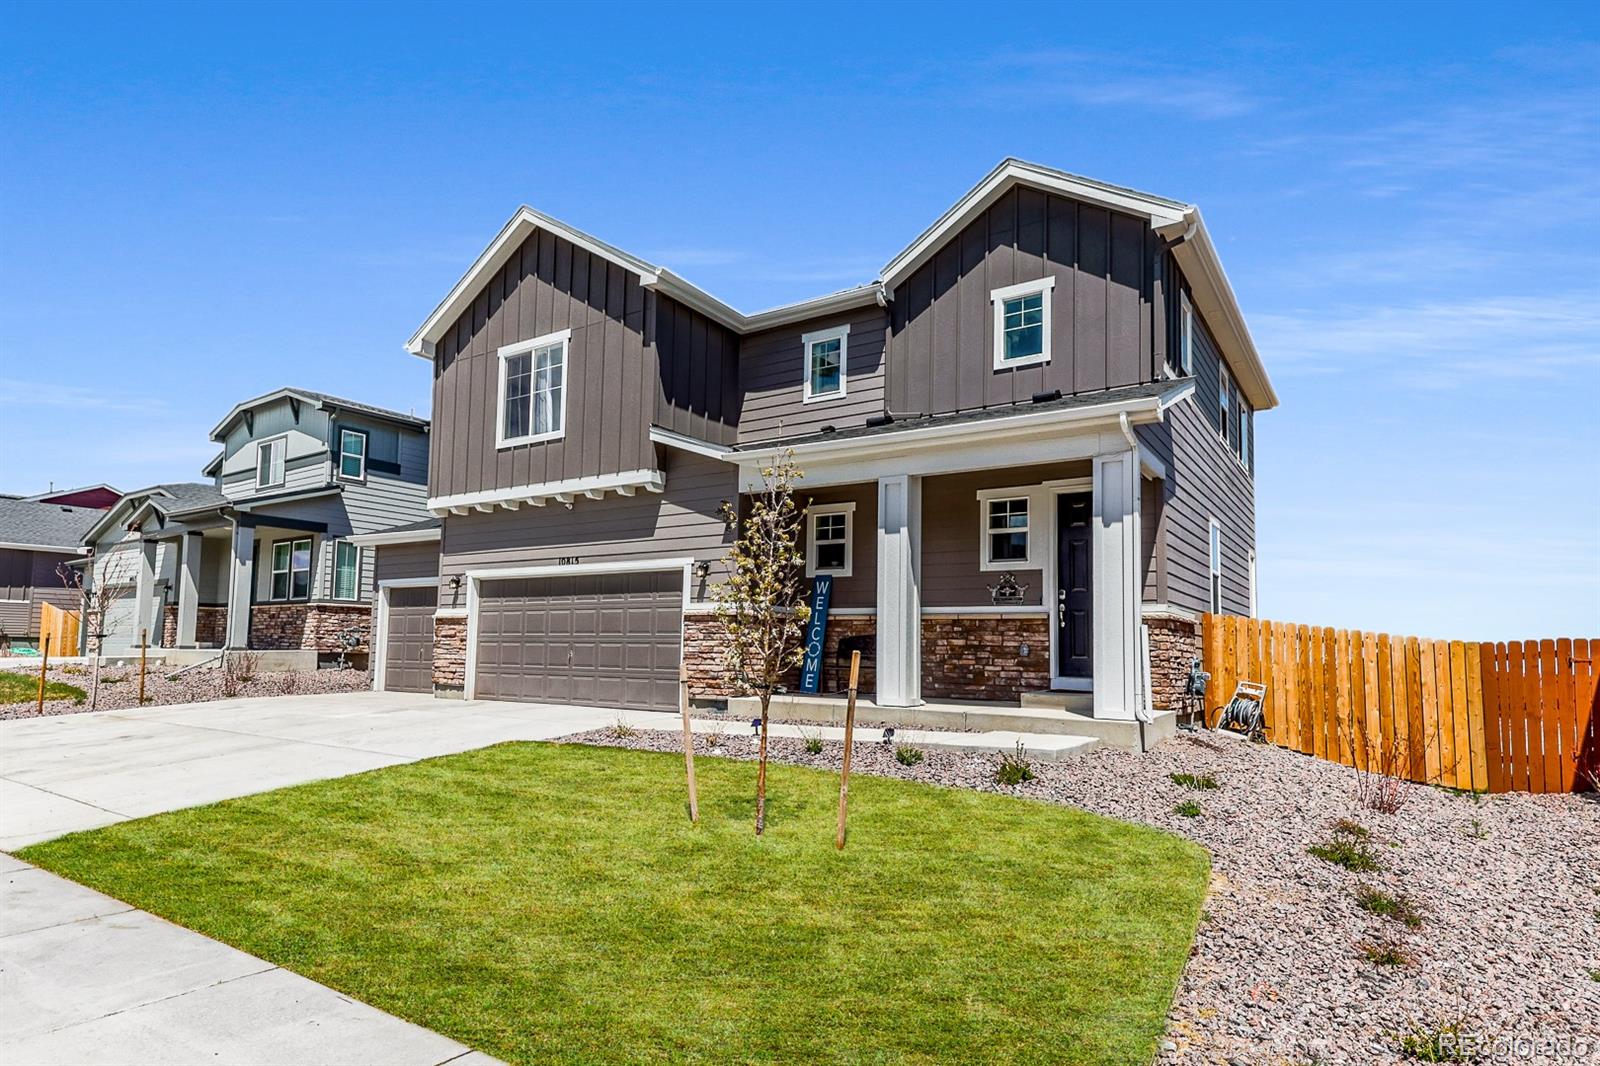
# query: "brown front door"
{"points": [[408, 640], [1075, 580]]}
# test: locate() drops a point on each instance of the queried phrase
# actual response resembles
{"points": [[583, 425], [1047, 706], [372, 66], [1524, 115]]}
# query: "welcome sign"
{"points": [[816, 632]]}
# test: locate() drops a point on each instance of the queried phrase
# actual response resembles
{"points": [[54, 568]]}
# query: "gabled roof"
{"points": [[170, 498], [1172, 219], [35, 526], [55, 495], [320, 400]]}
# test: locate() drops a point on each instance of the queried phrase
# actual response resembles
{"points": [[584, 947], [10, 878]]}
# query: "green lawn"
{"points": [[24, 688], [551, 903]]}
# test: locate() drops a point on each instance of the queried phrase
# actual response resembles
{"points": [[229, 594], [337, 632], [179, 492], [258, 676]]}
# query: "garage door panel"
{"points": [[408, 639]]}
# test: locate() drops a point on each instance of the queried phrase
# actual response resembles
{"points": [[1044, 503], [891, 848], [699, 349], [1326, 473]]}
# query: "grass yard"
{"points": [[24, 688], [551, 903]]}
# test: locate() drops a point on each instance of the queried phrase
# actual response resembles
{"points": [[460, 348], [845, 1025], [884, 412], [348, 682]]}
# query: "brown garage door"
{"points": [[408, 642], [610, 640]]}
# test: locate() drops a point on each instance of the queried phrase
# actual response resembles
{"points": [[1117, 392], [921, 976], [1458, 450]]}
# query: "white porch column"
{"points": [[241, 576], [1116, 584], [899, 594], [147, 617], [189, 590]]}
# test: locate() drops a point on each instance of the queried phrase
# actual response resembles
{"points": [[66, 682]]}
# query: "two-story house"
{"points": [[1027, 440], [261, 556]]}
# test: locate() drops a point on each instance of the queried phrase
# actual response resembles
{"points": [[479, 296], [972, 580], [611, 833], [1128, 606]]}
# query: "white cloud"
{"points": [[80, 397], [1091, 79]]}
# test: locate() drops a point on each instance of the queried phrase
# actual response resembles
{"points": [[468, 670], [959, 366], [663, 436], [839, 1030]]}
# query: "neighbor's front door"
{"points": [[1075, 581]]}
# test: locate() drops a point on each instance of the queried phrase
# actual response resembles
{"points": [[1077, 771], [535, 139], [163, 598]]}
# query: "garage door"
{"points": [[610, 640], [408, 639]]}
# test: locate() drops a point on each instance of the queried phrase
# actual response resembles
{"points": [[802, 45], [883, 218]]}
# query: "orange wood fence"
{"points": [[62, 628], [1489, 717]]}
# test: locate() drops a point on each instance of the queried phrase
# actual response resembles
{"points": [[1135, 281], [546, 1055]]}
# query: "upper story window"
{"points": [[269, 462], [1216, 567], [826, 352], [291, 569], [533, 394], [352, 454], [1022, 323], [1225, 401], [346, 570], [1245, 412], [1186, 340], [828, 539]]}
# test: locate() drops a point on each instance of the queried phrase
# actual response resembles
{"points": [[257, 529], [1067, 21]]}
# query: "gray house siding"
{"points": [[860, 589], [942, 338], [399, 562], [698, 381], [772, 377], [683, 521]]}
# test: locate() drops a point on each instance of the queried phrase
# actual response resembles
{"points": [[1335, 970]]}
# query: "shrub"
{"points": [[906, 755], [288, 683], [621, 729], [1347, 851], [1198, 782], [1354, 830], [812, 741], [1014, 769], [1398, 907], [244, 664], [1446, 1043], [1188, 808], [1384, 953]]}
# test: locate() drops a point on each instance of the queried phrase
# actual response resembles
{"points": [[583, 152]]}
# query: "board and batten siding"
{"points": [[685, 521], [772, 372], [616, 381], [941, 346]]}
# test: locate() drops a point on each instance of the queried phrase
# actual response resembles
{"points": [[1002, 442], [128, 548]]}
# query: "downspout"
{"points": [[1141, 710]]}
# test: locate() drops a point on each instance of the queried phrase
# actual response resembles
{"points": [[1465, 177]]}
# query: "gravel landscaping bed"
{"points": [[119, 688], [1506, 890]]}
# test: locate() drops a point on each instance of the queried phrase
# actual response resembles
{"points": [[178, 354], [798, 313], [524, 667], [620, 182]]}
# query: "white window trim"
{"points": [[1214, 566], [265, 442], [1245, 442], [997, 298], [366, 444], [840, 334], [1186, 339], [562, 337], [273, 571], [355, 592], [1224, 403], [1032, 494], [812, 514]]}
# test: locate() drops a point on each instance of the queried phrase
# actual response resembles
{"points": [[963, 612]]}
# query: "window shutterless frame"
{"points": [[1186, 340], [1215, 566], [831, 525], [1224, 401], [346, 571], [352, 455], [532, 383], [1022, 313], [825, 357], [1007, 516], [291, 570], [271, 456]]}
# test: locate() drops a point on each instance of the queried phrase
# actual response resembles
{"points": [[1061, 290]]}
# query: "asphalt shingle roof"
{"points": [[45, 524], [183, 496]]}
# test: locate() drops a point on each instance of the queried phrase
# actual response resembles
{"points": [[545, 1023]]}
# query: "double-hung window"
{"points": [[291, 569], [533, 392], [1225, 401], [1022, 323], [1216, 567], [269, 462], [352, 454], [828, 539], [1006, 532], [1244, 432], [826, 352], [346, 570], [1186, 340]]}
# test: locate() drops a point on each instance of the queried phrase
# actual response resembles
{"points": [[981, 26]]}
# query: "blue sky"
{"points": [[201, 204]]}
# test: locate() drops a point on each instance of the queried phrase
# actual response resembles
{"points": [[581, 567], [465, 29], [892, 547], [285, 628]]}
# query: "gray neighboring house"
{"points": [[36, 539], [263, 555], [1028, 443]]}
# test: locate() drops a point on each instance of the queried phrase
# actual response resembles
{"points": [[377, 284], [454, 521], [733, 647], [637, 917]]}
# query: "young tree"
{"points": [[108, 576], [762, 605]]}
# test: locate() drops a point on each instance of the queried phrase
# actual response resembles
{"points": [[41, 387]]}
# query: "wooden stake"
{"points": [[688, 740], [144, 638], [44, 665], [849, 741]]}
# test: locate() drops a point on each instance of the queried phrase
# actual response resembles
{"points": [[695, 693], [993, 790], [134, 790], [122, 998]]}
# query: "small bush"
{"points": [[1345, 851], [1397, 907], [812, 741], [1014, 769], [288, 683], [621, 729], [906, 755], [1447, 1043], [1188, 808], [1385, 953], [1354, 830], [1198, 782]]}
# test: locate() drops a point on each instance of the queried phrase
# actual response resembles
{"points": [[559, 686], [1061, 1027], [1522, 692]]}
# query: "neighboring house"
{"points": [[261, 556], [96, 497], [36, 540], [1032, 433]]}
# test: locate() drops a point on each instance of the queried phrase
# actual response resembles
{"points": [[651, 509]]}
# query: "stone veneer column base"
{"points": [[979, 657], [449, 656], [210, 626], [1174, 646]]}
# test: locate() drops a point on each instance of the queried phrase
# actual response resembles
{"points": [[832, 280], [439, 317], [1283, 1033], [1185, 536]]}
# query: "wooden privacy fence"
{"points": [[1517, 716], [61, 627]]}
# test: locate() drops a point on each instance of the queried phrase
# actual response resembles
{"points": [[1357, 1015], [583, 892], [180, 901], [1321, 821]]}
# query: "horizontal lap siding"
{"points": [[941, 351], [772, 374], [396, 562], [860, 589]]}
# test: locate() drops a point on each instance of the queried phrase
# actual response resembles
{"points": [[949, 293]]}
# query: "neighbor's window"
{"points": [[269, 462], [828, 539], [1022, 323], [1006, 531], [826, 352], [1216, 567], [1224, 400], [1186, 342], [291, 569], [352, 454], [533, 389], [346, 570]]}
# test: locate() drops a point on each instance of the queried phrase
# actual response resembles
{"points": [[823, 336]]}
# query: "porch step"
{"points": [[1082, 702]]}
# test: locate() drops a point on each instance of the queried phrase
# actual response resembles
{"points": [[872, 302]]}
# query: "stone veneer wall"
{"points": [[210, 626], [703, 638], [1174, 646], [308, 626], [449, 654], [979, 657]]}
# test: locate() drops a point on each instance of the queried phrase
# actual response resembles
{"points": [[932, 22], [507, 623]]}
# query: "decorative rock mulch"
{"points": [[119, 688], [1508, 888]]}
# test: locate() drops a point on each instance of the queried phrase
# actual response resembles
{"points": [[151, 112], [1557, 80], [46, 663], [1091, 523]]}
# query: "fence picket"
{"points": [[1480, 760], [1565, 714], [1547, 712]]}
